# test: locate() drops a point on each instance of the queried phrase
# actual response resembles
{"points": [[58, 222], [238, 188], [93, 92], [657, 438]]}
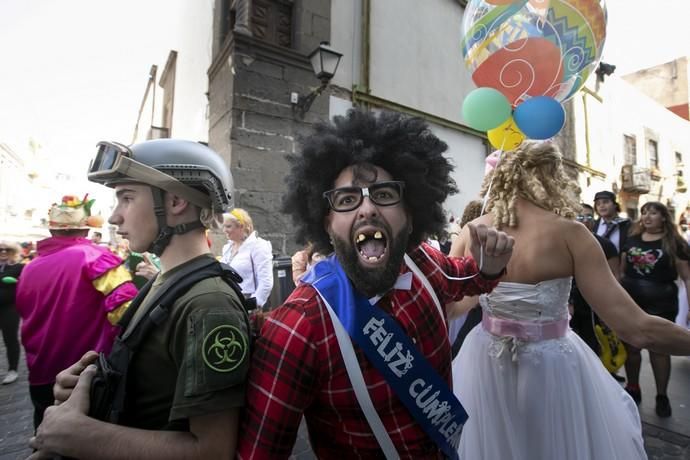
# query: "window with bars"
{"points": [[653, 153], [630, 146], [269, 20], [272, 21]]}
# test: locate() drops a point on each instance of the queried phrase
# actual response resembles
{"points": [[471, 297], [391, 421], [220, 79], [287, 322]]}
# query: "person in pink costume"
{"points": [[70, 298]]}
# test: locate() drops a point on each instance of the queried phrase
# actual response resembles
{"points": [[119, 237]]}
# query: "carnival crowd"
{"points": [[394, 343]]}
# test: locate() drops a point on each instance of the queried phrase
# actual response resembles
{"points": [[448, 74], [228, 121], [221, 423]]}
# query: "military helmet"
{"points": [[186, 168]]}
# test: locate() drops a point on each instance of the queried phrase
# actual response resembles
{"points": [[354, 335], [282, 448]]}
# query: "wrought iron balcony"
{"points": [[636, 179]]}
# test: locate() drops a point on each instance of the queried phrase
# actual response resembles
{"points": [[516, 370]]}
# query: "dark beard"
{"points": [[373, 281]]}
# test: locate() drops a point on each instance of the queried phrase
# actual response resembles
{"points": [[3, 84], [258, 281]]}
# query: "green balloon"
{"points": [[9, 280], [485, 108]]}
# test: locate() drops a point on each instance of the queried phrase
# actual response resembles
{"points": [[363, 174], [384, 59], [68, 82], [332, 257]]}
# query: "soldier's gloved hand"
{"points": [[67, 379]]}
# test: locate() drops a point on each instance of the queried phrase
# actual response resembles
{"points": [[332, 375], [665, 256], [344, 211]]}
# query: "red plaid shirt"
{"points": [[297, 368]]}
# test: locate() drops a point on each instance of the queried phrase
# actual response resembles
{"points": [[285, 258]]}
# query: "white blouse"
{"points": [[253, 262]]}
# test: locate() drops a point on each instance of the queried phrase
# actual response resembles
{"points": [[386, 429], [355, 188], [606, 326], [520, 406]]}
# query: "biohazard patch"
{"points": [[224, 348]]}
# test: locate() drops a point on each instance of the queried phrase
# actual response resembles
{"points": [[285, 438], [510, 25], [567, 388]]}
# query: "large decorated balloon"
{"points": [[527, 48]]}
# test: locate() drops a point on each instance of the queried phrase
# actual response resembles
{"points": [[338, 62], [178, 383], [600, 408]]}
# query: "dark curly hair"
{"points": [[403, 146]]}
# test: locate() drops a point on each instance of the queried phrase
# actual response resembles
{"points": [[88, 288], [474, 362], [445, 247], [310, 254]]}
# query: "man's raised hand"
{"points": [[491, 248]]}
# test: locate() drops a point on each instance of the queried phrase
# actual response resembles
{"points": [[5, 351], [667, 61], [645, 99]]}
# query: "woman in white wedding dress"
{"points": [[532, 388]]}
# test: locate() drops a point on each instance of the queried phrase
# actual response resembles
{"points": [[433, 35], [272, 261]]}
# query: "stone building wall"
{"points": [[251, 120]]}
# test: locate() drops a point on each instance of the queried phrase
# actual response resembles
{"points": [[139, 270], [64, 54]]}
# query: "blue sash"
{"points": [[416, 383]]}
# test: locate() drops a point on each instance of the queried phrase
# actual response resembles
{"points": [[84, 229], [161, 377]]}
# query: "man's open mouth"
{"points": [[372, 245]]}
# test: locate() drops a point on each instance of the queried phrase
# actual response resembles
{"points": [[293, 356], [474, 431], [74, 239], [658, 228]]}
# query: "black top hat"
{"points": [[605, 195]]}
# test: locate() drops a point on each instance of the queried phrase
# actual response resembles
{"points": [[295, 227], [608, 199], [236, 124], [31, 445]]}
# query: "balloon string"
{"points": [[481, 246], [454, 278], [485, 200]]}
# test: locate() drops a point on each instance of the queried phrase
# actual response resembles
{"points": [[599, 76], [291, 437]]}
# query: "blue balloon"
{"points": [[540, 117]]}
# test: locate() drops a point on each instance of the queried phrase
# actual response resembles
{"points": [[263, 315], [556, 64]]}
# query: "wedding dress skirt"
{"points": [[544, 396]]}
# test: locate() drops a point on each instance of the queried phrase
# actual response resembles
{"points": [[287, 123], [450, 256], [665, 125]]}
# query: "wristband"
{"points": [[493, 277]]}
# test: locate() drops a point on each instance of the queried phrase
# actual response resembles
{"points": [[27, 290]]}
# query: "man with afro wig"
{"points": [[354, 347]]}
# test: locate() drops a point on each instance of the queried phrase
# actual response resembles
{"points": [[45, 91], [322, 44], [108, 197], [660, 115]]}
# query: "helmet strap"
{"points": [[166, 232]]}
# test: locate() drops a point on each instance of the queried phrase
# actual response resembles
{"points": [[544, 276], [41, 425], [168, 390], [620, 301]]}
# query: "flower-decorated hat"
{"points": [[73, 214]]}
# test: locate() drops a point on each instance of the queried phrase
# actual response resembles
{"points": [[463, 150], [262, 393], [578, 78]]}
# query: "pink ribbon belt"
{"points": [[529, 331]]}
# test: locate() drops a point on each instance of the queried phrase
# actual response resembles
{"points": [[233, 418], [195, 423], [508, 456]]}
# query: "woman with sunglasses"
{"points": [[10, 271]]}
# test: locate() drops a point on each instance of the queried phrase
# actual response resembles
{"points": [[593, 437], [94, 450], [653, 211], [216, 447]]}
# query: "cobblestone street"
{"points": [[665, 439], [16, 412]]}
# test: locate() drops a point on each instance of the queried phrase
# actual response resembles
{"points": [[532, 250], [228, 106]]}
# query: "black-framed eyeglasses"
{"points": [[345, 199], [5, 250], [584, 218]]}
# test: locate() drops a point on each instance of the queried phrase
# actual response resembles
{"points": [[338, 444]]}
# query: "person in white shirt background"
{"points": [[250, 256]]}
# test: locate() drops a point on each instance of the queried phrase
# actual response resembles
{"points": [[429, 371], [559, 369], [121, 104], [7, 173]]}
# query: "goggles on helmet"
{"points": [[114, 164]]}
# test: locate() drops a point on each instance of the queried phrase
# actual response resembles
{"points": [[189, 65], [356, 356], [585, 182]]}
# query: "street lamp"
{"points": [[604, 70], [324, 61]]}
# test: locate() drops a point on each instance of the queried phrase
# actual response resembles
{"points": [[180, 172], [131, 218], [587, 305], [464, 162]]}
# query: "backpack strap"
{"points": [[177, 281], [172, 289], [110, 404], [134, 305]]}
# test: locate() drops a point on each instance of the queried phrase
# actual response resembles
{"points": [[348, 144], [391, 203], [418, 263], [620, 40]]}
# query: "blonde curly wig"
{"points": [[534, 171]]}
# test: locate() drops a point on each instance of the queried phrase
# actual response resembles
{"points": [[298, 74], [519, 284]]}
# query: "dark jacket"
{"points": [[623, 227]]}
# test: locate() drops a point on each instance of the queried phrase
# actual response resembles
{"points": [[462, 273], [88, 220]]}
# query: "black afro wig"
{"points": [[403, 146]]}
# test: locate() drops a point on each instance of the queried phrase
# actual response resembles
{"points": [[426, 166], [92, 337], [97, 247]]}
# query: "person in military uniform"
{"points": [[186, 382]]}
